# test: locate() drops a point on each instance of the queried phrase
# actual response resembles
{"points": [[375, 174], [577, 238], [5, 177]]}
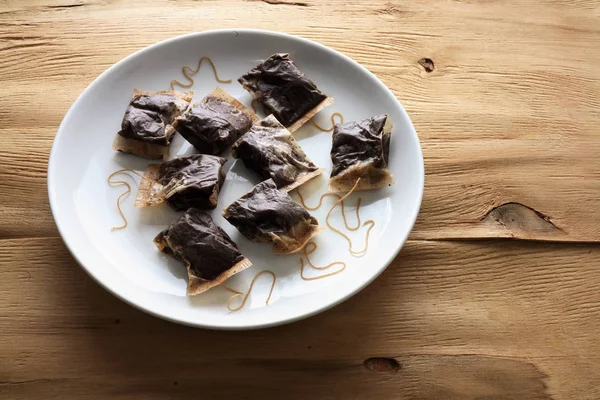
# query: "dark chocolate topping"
{"points": [[212, 125], [195, 181], [197, 241], [148, 115], [265, 209], [282, 88], [360, 141], [271, 151]]}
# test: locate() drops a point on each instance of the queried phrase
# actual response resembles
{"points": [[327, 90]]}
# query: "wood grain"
{"points": [[505, 100], [507, 112], [503, 320]]}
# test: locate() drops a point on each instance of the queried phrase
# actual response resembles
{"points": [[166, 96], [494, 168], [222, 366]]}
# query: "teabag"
{"points": [[209, 254], [149, 122], [267, 214], [191, 181], [361, 149], [215, 123], [271, 151], [285, 91]]}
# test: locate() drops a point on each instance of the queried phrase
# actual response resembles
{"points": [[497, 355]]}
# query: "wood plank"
{"points": [[489, 319], [24, 206], [421, 377], [507, 115]]}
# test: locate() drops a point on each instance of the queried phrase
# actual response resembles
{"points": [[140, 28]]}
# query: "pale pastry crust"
{"points": [[149, 188], [308, 116], [140, 148], [226, 97], [302, 179], [296, 238], [196, 285]]}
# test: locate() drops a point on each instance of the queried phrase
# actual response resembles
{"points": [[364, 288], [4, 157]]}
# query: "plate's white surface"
{"points": [[127, 263]]}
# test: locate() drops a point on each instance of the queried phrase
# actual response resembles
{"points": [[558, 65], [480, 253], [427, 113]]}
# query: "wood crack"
{"points": [[27, 382], [18, 37], [25, 46], [382, 364], [521, 378], [285, 3], [521, 220], [65, 6]]}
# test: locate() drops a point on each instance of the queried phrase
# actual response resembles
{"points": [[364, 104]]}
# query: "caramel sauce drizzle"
{"points": [[237, 293], [341, 199], [350, 228], [125, 193], [187, 71], [308, 251], [369, 222], [335, 114]]}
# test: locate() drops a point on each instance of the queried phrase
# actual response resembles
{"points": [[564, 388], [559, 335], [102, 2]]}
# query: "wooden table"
{"points": [[497, 293]]}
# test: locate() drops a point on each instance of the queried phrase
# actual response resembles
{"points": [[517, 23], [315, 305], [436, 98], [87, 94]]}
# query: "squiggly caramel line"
{"points": [[350, 228], [371, 222], [237, 293], [313, 278], [185, 70], [332, 122], [126, 192]]}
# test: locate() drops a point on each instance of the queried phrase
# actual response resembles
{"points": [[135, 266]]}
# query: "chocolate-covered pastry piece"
{"points": [[215, 122], [267, 214], [284, 91], [149, 120], [360, 150], [270, 150], [191, 181], [207, 251]]}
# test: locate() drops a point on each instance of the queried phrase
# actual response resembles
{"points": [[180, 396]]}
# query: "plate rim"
{"points": [[203, 324]]}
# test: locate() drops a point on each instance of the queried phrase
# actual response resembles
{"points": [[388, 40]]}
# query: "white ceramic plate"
{"points": [[127, 263]]}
